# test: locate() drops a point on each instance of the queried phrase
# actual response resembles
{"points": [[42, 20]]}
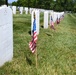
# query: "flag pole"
{"points": [[36, 46], [36, 57]]}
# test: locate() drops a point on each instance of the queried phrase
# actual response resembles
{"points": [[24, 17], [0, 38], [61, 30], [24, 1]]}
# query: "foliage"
{"points": [[14, 3], [2, 2], [58, 5], [74, 7]]}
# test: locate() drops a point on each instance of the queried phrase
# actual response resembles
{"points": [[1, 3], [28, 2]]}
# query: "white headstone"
{"points": [[21, 10], [14, 9], [6, 35], [4, 6], [30, 10], [59, 15], [45, 20], [37, 14], [26, 10], [55, 16], [37, 20]]}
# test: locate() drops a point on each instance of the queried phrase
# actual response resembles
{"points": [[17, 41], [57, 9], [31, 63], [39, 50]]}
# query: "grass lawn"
{"points": [[56, 49]]}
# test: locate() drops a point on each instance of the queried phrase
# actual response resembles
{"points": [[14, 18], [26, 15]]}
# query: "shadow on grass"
{"points": [[41, 26], [29, 32], [48, 34], [28, 60]]}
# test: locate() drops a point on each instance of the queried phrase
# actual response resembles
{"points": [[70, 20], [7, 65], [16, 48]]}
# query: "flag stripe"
{"points": [[32, 44]]}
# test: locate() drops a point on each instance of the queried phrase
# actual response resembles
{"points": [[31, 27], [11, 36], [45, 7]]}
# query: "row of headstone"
{"points": [[26, 10], [21, 9], [6, 35], [57, 15], [54, 15]]}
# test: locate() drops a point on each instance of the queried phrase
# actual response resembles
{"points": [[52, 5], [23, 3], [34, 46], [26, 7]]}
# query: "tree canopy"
{"points": [[57, 5], [2, 2]]}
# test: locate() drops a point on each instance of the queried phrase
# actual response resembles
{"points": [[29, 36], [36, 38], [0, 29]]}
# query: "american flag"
{"points": [[52, 23], [58, 20], [32, 44]]}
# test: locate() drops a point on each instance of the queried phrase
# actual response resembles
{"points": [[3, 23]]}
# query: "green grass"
{"points": [[56, 49]]}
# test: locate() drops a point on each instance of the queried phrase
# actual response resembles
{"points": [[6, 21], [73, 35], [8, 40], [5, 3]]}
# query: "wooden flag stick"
{"points": [[36, 58]]}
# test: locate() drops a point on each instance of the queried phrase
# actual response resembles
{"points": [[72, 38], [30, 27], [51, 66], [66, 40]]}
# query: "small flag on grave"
{"points": [[52, 23], [32, 44], [58, 20]]}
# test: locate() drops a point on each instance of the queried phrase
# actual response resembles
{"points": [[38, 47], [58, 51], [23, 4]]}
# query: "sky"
{"points": [[10, 1]]}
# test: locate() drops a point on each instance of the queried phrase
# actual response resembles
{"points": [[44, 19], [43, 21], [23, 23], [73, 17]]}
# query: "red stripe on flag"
{"points": [[32, 44]]}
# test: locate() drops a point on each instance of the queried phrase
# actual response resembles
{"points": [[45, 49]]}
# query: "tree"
{"points": [[2, 2], [74, 6], [14, 3], [57, 5]]}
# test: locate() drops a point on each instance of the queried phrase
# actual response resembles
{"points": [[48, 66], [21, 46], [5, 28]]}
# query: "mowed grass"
{"points": [[56, 48]]}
